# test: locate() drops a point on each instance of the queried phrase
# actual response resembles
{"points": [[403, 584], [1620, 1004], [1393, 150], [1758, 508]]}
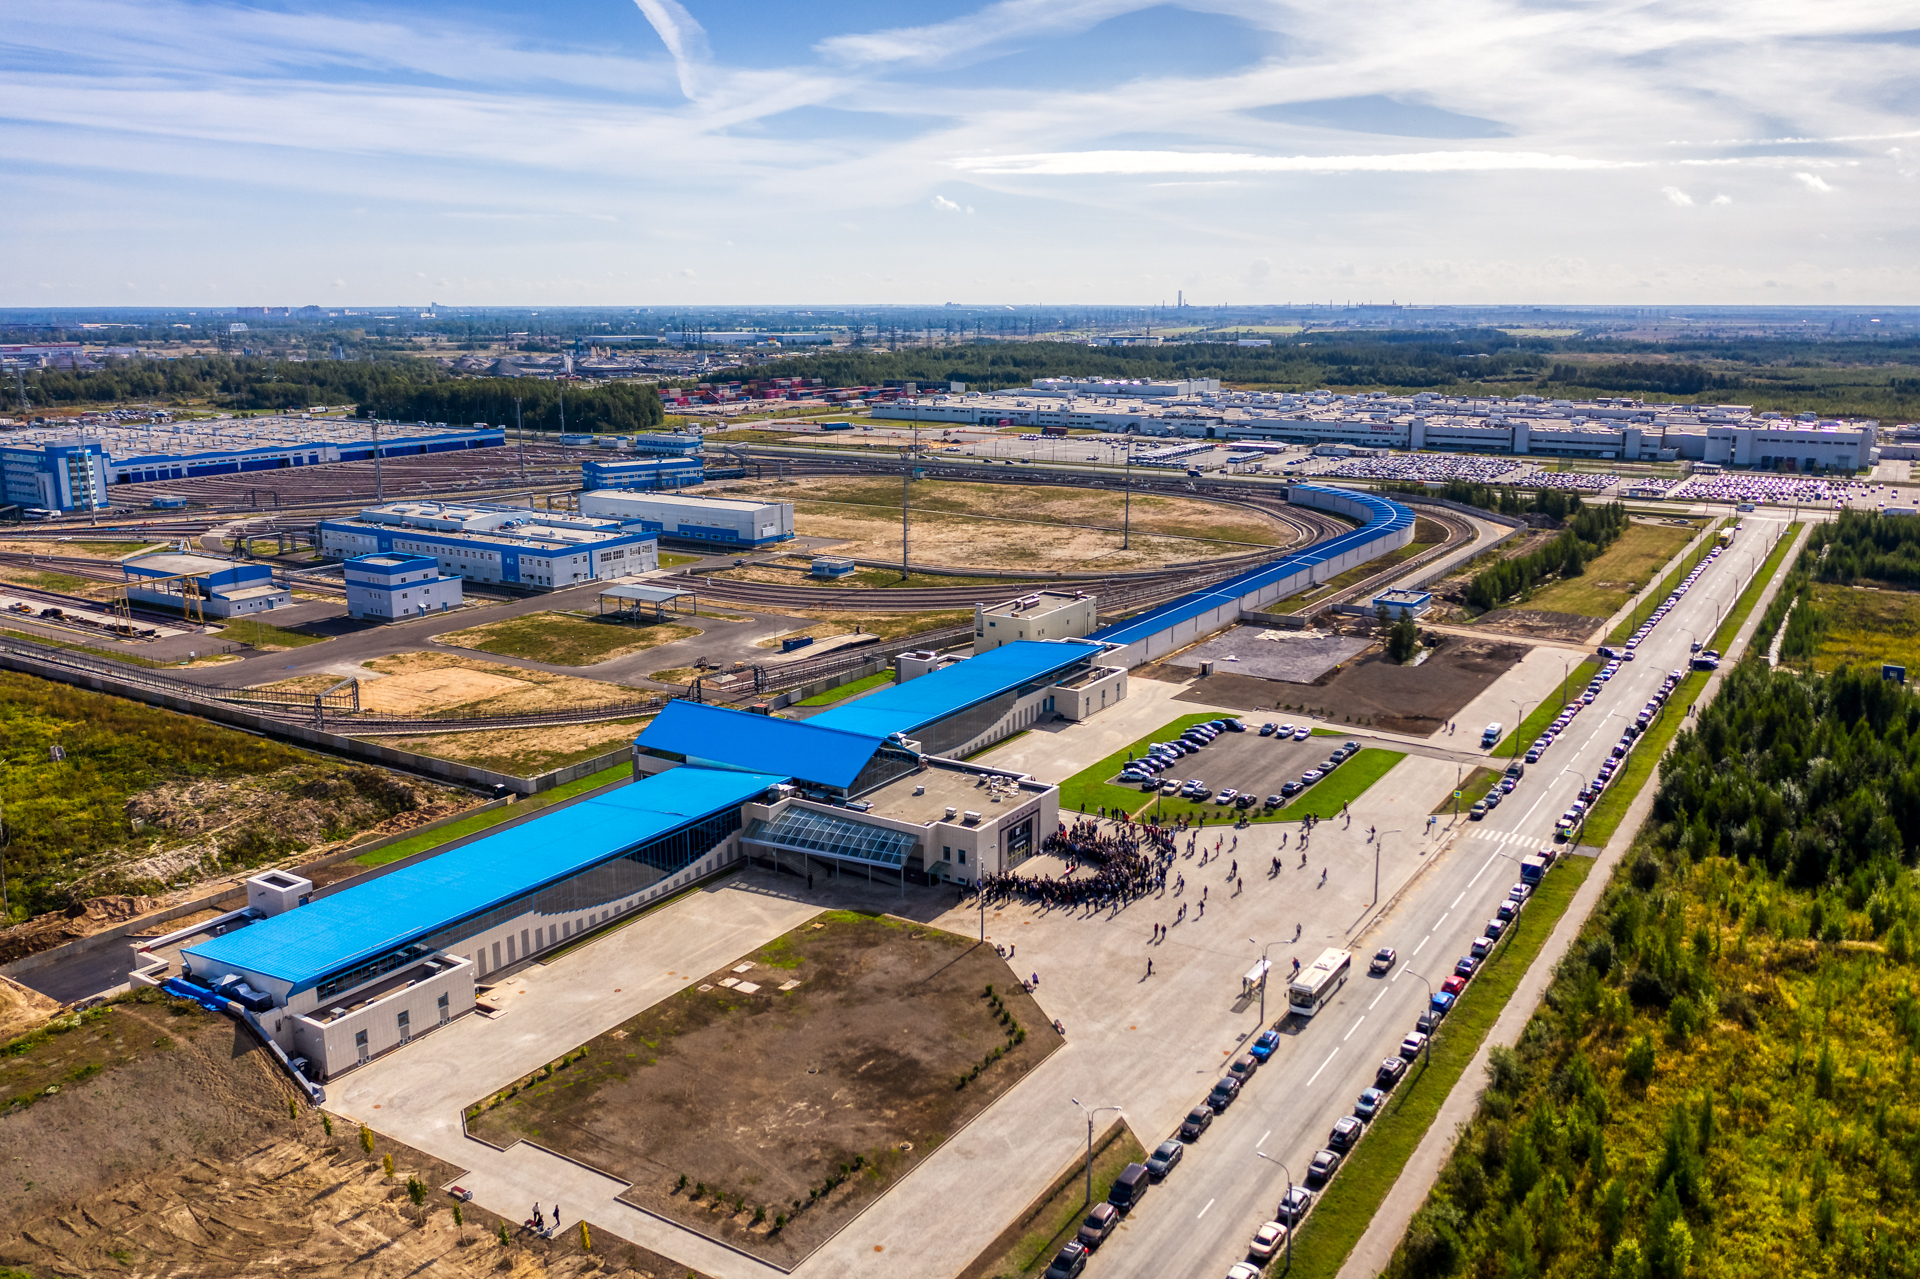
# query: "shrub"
{"points": [[503, 1234], [366, 1139], [1503, 1069], [459, 1218], [1640, 1060], [326, 1123], [416, 1191], [386, 1163]]}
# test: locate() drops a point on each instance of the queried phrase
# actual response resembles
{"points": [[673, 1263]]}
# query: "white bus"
{"points": [[1319, 981]]}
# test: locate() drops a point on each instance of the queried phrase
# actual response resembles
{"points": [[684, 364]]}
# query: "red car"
{"points": [[1453, 985]]}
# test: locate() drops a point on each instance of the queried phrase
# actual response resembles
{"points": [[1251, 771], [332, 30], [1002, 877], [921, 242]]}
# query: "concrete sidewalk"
{"points": [[1375, 1249]]}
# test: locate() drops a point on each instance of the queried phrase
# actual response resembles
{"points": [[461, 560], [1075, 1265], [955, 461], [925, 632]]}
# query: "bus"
{"points": [[1318, 982]]}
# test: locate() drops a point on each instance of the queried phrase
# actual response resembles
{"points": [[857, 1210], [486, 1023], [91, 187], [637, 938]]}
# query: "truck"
{"points": [[1491, 737], [1532, 870], [1725, 537]]}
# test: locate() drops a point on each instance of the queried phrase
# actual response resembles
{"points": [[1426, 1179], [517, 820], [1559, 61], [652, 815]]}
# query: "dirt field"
{"points": [[524, 752], [832, 1088], [156, 1139], [421, 682], [566, 639], [1536, 624], [1371, 691], [1040, 528]]}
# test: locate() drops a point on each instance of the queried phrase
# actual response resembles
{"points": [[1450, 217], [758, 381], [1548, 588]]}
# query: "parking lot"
{"points": [[1247, 762]]}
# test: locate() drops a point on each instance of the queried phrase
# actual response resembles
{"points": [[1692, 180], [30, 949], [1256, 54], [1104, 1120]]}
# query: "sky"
{"points": [[1066, 152]]}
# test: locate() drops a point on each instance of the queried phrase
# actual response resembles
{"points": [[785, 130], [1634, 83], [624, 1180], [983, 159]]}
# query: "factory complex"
{"points": [[539, 550], [1607, 429], [53, 469], [724, 521]]}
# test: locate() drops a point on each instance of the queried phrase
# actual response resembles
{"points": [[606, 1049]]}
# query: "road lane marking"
{"points": [[1263, 1139], [1482, 871], [1377, 998], [1356, 1025], [1316, 1074], [1203, 1211], [1417, 949], [1443, 919], [1457, 901]]}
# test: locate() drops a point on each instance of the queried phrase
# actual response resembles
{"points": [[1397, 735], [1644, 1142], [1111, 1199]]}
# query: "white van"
{"points": [[1491, 738]]}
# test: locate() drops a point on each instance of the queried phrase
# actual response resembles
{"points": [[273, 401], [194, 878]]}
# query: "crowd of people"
{"points": [[1131, 859]]}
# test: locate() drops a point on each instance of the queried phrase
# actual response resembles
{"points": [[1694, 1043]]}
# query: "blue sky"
{"points": [[664, 152]]}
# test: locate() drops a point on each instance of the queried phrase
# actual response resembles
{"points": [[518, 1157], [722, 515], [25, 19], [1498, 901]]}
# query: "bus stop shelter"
{"points": [[633, 602]]}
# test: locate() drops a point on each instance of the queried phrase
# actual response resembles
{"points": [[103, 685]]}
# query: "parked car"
{"points": [[1266, 730], [1100, 1223], [1466, 966], [1390, 1071], [1383, 959], [1410, 1046], [1165, 1156], [1290, 789], [1264, 1046], [1243, 1270], [1453, 985], [1294, 1205], [1267, 1241], [1069, 1261], [1496, 927], [1302, 733], [1369, 1103], [1478, 812], [1223, 1093], [1196, 1122], [1346, 1131], [1243, 1066], [1480, 949], [1321, 1166]]}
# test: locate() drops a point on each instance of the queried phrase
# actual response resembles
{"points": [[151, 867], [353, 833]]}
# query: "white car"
{"points": [[1301, 733], [1267, 1241]]}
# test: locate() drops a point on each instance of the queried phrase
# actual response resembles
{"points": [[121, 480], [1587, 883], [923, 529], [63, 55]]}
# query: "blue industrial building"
{"points": [[66, 475], [390, 588], [642, 473], [218, 588], [669, 445], [180, 466]]}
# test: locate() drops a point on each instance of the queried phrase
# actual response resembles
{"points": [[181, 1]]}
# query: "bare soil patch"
{"points": [[166, 1146], [419, 682], [1043, 527], [832, 1088], [524, 752], [566, 639], [1374, 691], [1537, 624]]}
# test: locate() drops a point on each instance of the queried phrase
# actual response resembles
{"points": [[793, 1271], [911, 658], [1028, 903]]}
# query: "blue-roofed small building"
{"points": [[392, 587], [217, 588], [357, 972]]}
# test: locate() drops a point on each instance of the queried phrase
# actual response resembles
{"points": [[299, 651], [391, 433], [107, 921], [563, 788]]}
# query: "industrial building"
{"points": [[1529, 425], [63, 475], [644, 474], [689, 518], [386, 588], [1040, 616], [538, 550], [222, 587], [337, 977], [135, 453]]}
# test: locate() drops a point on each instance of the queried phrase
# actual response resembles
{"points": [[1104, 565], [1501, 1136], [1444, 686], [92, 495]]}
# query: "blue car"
{"points": [[1442, 1002], [1263, 1047]]}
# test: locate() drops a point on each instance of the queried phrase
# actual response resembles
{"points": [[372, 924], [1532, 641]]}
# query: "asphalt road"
{"points": [[1200, 1220]]}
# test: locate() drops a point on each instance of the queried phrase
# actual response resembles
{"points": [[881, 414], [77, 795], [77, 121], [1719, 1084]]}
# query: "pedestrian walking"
{"points": [[556, 1216], [1149, 965]]}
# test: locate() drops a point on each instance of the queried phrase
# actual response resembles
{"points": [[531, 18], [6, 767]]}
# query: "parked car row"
{"points": [[1571, 820], [1161, 756], [1666, 606]]}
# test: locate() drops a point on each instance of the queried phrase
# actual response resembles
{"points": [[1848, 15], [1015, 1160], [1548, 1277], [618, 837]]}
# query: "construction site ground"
{"points": [[1370, 690], [1039, 527], [424, 682], [523, 752], [843, 1044], [149, 1137], [568, 639]]}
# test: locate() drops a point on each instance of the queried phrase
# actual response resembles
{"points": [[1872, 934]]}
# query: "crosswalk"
{"points": [[1498, 836]]}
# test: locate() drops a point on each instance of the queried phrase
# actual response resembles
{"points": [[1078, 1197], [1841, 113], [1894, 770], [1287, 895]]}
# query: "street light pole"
{"points": [[1261, 1154], [1265, 968], [1516, 702], [1090, 1113], [1379, 841], [1429, 986]]}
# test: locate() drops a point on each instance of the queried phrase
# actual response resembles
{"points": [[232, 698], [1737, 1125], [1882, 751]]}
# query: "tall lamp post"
{"points": [[1091, 1111], [1261, 1154], [1522, 707], [1379, 841], [1265, 969], [1429, 986]]}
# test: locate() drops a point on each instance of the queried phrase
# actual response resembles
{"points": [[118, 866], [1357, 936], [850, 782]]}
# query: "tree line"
{"points": [[611, 408], [1720, 1079], [1589, 531]]}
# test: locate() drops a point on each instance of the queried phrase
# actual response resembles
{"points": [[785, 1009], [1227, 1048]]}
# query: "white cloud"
{"points": [[1812, 182], [1676, 196], [1722, 199], [1072, 163], [685, 38], [945, 205]]}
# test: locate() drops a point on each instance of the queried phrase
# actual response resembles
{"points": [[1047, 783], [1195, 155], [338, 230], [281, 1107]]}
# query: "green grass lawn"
{"points": [[1645, 608], [1635, 556], [1471, 787], [1089, 790], [1349, 1204], [853, 689], [566, 639], [1645, 757], [266, 637], [1542, 715], [1867, 627], [669, 559], [493, 817]]}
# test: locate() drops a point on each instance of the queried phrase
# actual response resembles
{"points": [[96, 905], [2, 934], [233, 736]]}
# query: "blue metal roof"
{"points": [[307, 944], [913, 705], [830, 755], [1384, 516]]}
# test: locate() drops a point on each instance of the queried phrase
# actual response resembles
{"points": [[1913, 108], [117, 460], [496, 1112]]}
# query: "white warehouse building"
{"points": [[516, 545], [688, 518]]}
